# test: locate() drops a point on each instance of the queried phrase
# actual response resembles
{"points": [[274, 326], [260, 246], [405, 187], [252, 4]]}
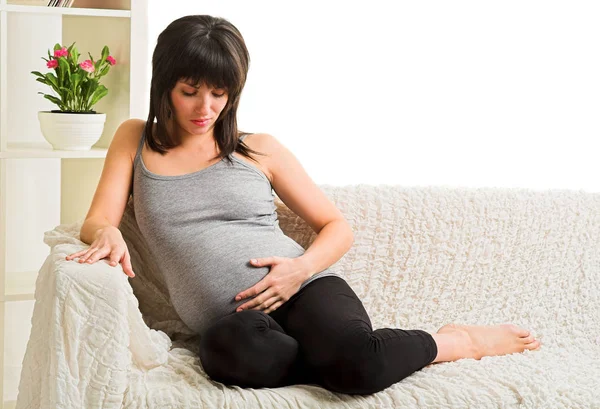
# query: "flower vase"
{"points": [[71, 131]]}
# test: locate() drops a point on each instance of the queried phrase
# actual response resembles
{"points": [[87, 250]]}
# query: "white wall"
{"points": [[461, 93]]}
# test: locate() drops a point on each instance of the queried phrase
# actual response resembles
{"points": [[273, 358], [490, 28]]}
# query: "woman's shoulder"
{"points": [[128, 135], [262, 142]]}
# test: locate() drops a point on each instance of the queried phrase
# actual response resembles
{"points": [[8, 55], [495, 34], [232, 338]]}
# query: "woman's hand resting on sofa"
{"points": [[109, 243]]}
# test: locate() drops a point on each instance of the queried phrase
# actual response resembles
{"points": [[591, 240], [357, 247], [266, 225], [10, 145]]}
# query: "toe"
{"points": [[528, 339], [521, 332], [533, 345]]}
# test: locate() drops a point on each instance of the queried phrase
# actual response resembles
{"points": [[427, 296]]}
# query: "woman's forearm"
{"points": [[90, 227], [332, 242]]}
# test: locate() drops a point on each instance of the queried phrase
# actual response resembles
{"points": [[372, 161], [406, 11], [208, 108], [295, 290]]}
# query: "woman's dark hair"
{"points": [[198, 49]]}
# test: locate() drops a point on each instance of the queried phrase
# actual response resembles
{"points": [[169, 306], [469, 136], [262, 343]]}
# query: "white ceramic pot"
{"points": [[71, 132]]}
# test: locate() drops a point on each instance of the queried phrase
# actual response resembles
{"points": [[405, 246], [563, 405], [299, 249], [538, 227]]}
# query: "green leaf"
{"points": [[100, 93], [53, 81], [64, 71], [39, 74], [67, 67], [44, 81], [68, 95], [103, 71], [74, 56], [105, 53], [85, 90], [61, 75], [75, 81], [102, 60], [54, 100], [91, 88]]}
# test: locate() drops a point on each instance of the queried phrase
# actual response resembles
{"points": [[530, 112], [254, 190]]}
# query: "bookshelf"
{"points": [[41, 188]]}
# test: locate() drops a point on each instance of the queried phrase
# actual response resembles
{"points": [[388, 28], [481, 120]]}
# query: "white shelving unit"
{"points": [[41, 188]]}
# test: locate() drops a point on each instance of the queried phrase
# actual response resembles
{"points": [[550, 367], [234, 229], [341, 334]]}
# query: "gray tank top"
{"points": [[203, 228]]}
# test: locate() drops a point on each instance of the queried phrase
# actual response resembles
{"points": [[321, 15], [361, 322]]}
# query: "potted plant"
{"points": [[75, 125]]}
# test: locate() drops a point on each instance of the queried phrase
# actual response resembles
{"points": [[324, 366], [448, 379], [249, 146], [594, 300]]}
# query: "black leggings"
{"points": [[322, 335]]}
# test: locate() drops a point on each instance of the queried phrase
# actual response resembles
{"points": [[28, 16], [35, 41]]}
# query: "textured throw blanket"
{"points": [[423, 257]]}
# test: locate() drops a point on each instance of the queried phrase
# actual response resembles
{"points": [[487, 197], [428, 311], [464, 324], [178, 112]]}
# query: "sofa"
{"points": [[422, 257]]}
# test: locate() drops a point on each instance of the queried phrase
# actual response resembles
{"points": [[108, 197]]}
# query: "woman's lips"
{"points": [[200, 123]]}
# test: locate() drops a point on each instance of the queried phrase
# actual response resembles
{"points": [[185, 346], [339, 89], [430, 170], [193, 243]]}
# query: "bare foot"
{"points": [[457, 341]]}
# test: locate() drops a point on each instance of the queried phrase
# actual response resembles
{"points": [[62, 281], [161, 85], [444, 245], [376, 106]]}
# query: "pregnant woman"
{"points": [[268, 312]]}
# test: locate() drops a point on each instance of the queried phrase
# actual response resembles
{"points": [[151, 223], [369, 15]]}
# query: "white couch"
{"points": [[422, 257]]}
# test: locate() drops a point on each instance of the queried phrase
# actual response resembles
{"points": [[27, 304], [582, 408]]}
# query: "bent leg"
{"points": [[248, 349], [337, 341]]}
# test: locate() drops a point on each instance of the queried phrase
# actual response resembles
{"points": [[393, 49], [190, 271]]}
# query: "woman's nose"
{"points": [[203, 105], [201, 110]]}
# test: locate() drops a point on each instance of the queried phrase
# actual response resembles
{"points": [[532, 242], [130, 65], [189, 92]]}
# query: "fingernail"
{"points": [[237, 298], [253, 260]]}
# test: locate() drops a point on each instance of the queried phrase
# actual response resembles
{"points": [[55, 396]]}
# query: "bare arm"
{"points": [[113, 188], [91, 226]]}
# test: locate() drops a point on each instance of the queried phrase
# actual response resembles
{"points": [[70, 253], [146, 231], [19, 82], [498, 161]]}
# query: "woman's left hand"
{"points": [[283, 280]]}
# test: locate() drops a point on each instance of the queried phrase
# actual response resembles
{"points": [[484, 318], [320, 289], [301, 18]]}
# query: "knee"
{"points": [[224, 334], [356, 373], [218, 344], [246, 349], [230, 336]]}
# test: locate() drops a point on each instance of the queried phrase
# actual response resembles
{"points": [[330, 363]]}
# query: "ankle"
{"points": [[453, 345]]}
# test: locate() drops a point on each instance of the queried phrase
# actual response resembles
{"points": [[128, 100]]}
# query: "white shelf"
{"points": [[23, 150], [20, 286], [9, 404], [36, 193], [70, 11], [12, 376]]}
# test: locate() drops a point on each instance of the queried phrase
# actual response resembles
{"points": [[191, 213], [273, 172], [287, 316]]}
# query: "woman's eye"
{"points": [[193, 93]]}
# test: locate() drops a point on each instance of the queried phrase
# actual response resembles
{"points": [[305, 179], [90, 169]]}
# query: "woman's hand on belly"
{"points": [[284, 279]]}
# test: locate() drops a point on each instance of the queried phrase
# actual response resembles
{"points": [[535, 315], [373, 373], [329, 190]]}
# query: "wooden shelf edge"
{"points": [[71, 11], [17, 297], [9, 404], [27, 150], [20, 286]]}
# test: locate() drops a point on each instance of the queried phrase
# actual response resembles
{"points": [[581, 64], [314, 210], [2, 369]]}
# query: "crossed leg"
{"points": [[323, 335], [250, 349]]}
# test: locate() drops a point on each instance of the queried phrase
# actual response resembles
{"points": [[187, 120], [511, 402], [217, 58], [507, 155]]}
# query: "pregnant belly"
{"points": [[204, 280]]}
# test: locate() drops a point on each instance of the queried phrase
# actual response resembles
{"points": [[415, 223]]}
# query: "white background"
{"points": [[461, 93]]}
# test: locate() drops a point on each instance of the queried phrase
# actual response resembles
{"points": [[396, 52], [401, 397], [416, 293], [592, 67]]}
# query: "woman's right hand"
{"points": [[109, 242]]}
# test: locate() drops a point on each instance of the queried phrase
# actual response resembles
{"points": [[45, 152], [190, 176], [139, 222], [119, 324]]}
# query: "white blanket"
{"points": [[422, 257]]}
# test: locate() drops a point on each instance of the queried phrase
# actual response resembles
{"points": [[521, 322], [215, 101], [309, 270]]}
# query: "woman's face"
{"points": [[197, 107]]}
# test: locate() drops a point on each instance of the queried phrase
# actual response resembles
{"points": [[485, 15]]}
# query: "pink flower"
{"points": [[61, 53], [111, 60], [52, 64], [87, 66]]}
